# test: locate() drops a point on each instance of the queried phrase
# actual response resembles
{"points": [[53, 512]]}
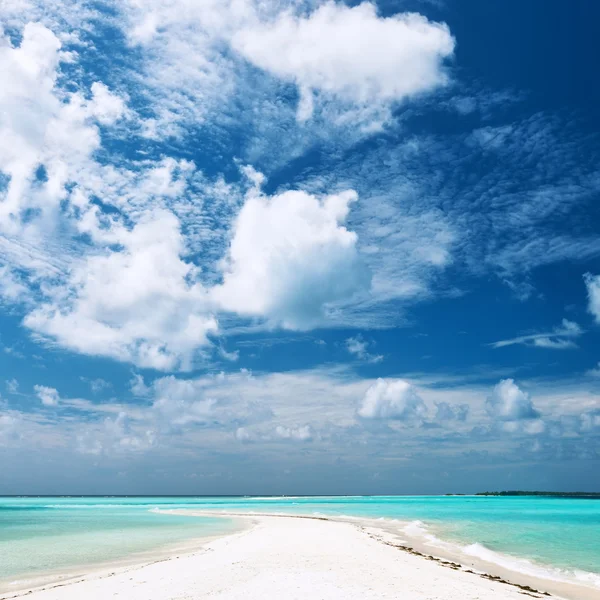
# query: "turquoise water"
{"points": [[45, 534]]}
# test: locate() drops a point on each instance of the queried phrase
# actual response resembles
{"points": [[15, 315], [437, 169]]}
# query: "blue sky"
{"points": [[309, 247]]}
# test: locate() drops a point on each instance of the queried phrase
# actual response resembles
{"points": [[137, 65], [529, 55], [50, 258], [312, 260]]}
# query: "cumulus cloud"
{"points": [[592, 283], [138, 303], [392, 399], [291, 258], [509, 403], [175, 407], [48, 395], [560, 338], [339, 57], [177, 404], [180, 402], [349, 53], [11, 289], [114, 435], [131, 295], [243, 435], [297, 434], [43, 127]]}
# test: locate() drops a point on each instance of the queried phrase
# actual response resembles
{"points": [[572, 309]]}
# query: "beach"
{"points": [[275, 556]]}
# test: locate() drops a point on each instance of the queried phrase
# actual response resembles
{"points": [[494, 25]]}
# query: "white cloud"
{"points": [[509, 403], [180, 402], [349, 53], [48, 395], [358, 347], [343, 56], [229, 356], [560, 338], [114, 435], [139, 303], [243, 435], [291, 258], [212, 400], [276, 411], [43, 126], [392, 399], [268, 407], [297, 434], [592, 283], [11, 289], [300, 433], [138, 387], [105, 106], [185, 75], [97, 385]]}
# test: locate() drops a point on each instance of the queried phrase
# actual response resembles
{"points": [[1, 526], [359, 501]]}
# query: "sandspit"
{"points": [[293, 558]]}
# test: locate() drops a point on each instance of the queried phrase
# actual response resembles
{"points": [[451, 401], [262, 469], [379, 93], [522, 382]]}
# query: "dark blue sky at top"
{"points": [[541, 51], [530, 66]]}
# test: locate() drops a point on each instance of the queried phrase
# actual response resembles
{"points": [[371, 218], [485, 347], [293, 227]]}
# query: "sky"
{"points": [[308, 247]]}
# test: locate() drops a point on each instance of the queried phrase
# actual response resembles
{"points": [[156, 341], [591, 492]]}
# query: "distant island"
{"points": [[595, 495]]}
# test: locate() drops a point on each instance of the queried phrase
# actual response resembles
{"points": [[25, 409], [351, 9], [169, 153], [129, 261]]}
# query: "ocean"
{"points": [[548, 537]]}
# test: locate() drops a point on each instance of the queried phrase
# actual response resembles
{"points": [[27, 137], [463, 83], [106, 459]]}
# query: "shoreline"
{"points": [[390, 532], [26, 583], [383, 533]]}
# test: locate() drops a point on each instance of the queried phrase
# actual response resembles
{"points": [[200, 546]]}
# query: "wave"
{"points": [[528, 567], [418, 529]]}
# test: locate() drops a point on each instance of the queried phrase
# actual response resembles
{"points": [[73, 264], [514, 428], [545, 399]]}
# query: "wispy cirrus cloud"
{"points": [[412, 220], [561, 337], [359, 347], [95, 204]]}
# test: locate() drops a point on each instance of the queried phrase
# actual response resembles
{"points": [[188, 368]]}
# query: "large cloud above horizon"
{"points": [[93, 240], [392, 399], [139, 304], [44, 127], [509, 403], [350, 53], [290, 257]]}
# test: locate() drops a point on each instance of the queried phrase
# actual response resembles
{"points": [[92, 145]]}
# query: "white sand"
{"points": [[287, 558]]}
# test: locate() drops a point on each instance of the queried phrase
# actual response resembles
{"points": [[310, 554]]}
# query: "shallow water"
{"points": [[48, 534], [53, 535]]}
